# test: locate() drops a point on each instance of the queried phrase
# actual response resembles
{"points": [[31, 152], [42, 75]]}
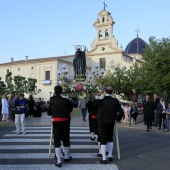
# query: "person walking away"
{"points": [[91, 127], [39, 108], [31, 105], [59, 109], [156, 114], [134, 112], [21, 109], [5, 108], [106, 115], [82, 106], [162, 112], [95, 122], [149, 108]]}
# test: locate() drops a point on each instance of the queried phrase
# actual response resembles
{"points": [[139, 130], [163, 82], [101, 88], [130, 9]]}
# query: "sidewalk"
{"points": [[45, 120]]}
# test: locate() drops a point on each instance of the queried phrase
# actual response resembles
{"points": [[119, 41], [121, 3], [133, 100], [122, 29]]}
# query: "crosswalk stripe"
{"points": [[48, 127], [44, 135], [44, 155], [10, 147], [33, 148], [45, 131], [64, 167], [40, 140]]}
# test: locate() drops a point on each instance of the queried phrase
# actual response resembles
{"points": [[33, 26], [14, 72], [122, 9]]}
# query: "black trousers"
{"points": [[148, 124], [105, 128], [134, 116], [61, 131], [91, 123], [162, 117]]}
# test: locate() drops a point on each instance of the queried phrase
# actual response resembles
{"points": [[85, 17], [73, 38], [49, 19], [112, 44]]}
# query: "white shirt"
{"points": [[5, 106]]}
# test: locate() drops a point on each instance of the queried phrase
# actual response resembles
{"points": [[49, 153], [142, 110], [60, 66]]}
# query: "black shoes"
{"points": [[93, 139], [103, 162], [68, 160], [110, 159], [58, 164], [99, 155]]}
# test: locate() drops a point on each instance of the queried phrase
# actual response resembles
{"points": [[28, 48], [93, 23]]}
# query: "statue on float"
{"points": [[79, 64]]}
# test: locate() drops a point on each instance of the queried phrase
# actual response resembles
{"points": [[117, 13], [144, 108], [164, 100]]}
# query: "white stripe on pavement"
{"points": [[49, 127], [47, 135], [64, 167], [44, 155], [9, 147], [40, 140], [44, 131]]}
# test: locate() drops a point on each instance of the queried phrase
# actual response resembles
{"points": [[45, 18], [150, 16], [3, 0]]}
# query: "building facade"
{"points": [[104, 50]]}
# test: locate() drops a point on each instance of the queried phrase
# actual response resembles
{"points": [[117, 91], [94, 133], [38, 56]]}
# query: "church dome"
{"points": [[136, 46]]}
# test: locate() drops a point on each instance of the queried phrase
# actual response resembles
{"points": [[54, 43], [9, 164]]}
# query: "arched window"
{"points": [[100, 35], [107, 34], [103, 19]]}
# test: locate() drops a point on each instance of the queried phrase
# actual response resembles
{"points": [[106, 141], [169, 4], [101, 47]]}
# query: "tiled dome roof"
{"points": [[137, 45]]}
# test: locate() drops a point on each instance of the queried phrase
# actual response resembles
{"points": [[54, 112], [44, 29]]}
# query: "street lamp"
{"points": [[96, 72]]}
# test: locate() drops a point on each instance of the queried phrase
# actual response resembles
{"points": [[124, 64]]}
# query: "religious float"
{"points": [[80, 87]]}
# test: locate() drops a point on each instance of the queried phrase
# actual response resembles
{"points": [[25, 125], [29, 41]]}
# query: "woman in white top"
{"points": [[127, 112], [5, 110]]}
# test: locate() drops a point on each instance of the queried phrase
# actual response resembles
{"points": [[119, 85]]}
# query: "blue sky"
{"points": [[47, 28]]}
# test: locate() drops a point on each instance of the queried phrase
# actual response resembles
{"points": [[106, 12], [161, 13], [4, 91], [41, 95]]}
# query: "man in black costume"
{"points": [[60, 109], [108, 108]]}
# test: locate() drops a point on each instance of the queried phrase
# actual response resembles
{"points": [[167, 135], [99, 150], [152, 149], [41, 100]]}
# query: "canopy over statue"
{"points": [[79, 64]]}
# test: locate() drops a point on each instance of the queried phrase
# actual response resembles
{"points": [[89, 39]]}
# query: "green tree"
{"points": [[20, 84], [2, 87], [156, 67], [118, 78]]}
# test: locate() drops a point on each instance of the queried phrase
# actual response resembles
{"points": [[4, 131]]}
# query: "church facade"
{"points": [[104, 51]]}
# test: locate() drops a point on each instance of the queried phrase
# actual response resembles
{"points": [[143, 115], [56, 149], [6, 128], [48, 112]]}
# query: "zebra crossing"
{"points": [[30, 151]]}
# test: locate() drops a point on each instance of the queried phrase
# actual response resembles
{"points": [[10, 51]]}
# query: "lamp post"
{"points": [[96, 72]]}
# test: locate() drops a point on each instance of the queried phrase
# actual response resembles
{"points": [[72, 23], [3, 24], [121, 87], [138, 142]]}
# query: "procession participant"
{"points": [[21, 109], [95, 121], [91, 126], [106, 115], [59, 109]]}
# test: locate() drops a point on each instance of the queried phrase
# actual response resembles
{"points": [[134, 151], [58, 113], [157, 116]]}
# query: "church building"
{"points": [[104, 51]]}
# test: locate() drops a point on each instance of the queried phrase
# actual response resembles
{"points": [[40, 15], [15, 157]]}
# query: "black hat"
{"points": [[58, 89]]}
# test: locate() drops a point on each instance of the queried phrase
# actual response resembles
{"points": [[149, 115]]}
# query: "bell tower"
{"points": [[104, 39]]}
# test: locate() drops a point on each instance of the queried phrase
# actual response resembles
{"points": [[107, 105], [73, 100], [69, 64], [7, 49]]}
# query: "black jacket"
{"points": [[59, 107], [156, 101], [149, 111], [108, 108]]}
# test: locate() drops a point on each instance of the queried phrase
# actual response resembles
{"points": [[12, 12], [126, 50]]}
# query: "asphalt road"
{"points": [[140, 150]]}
